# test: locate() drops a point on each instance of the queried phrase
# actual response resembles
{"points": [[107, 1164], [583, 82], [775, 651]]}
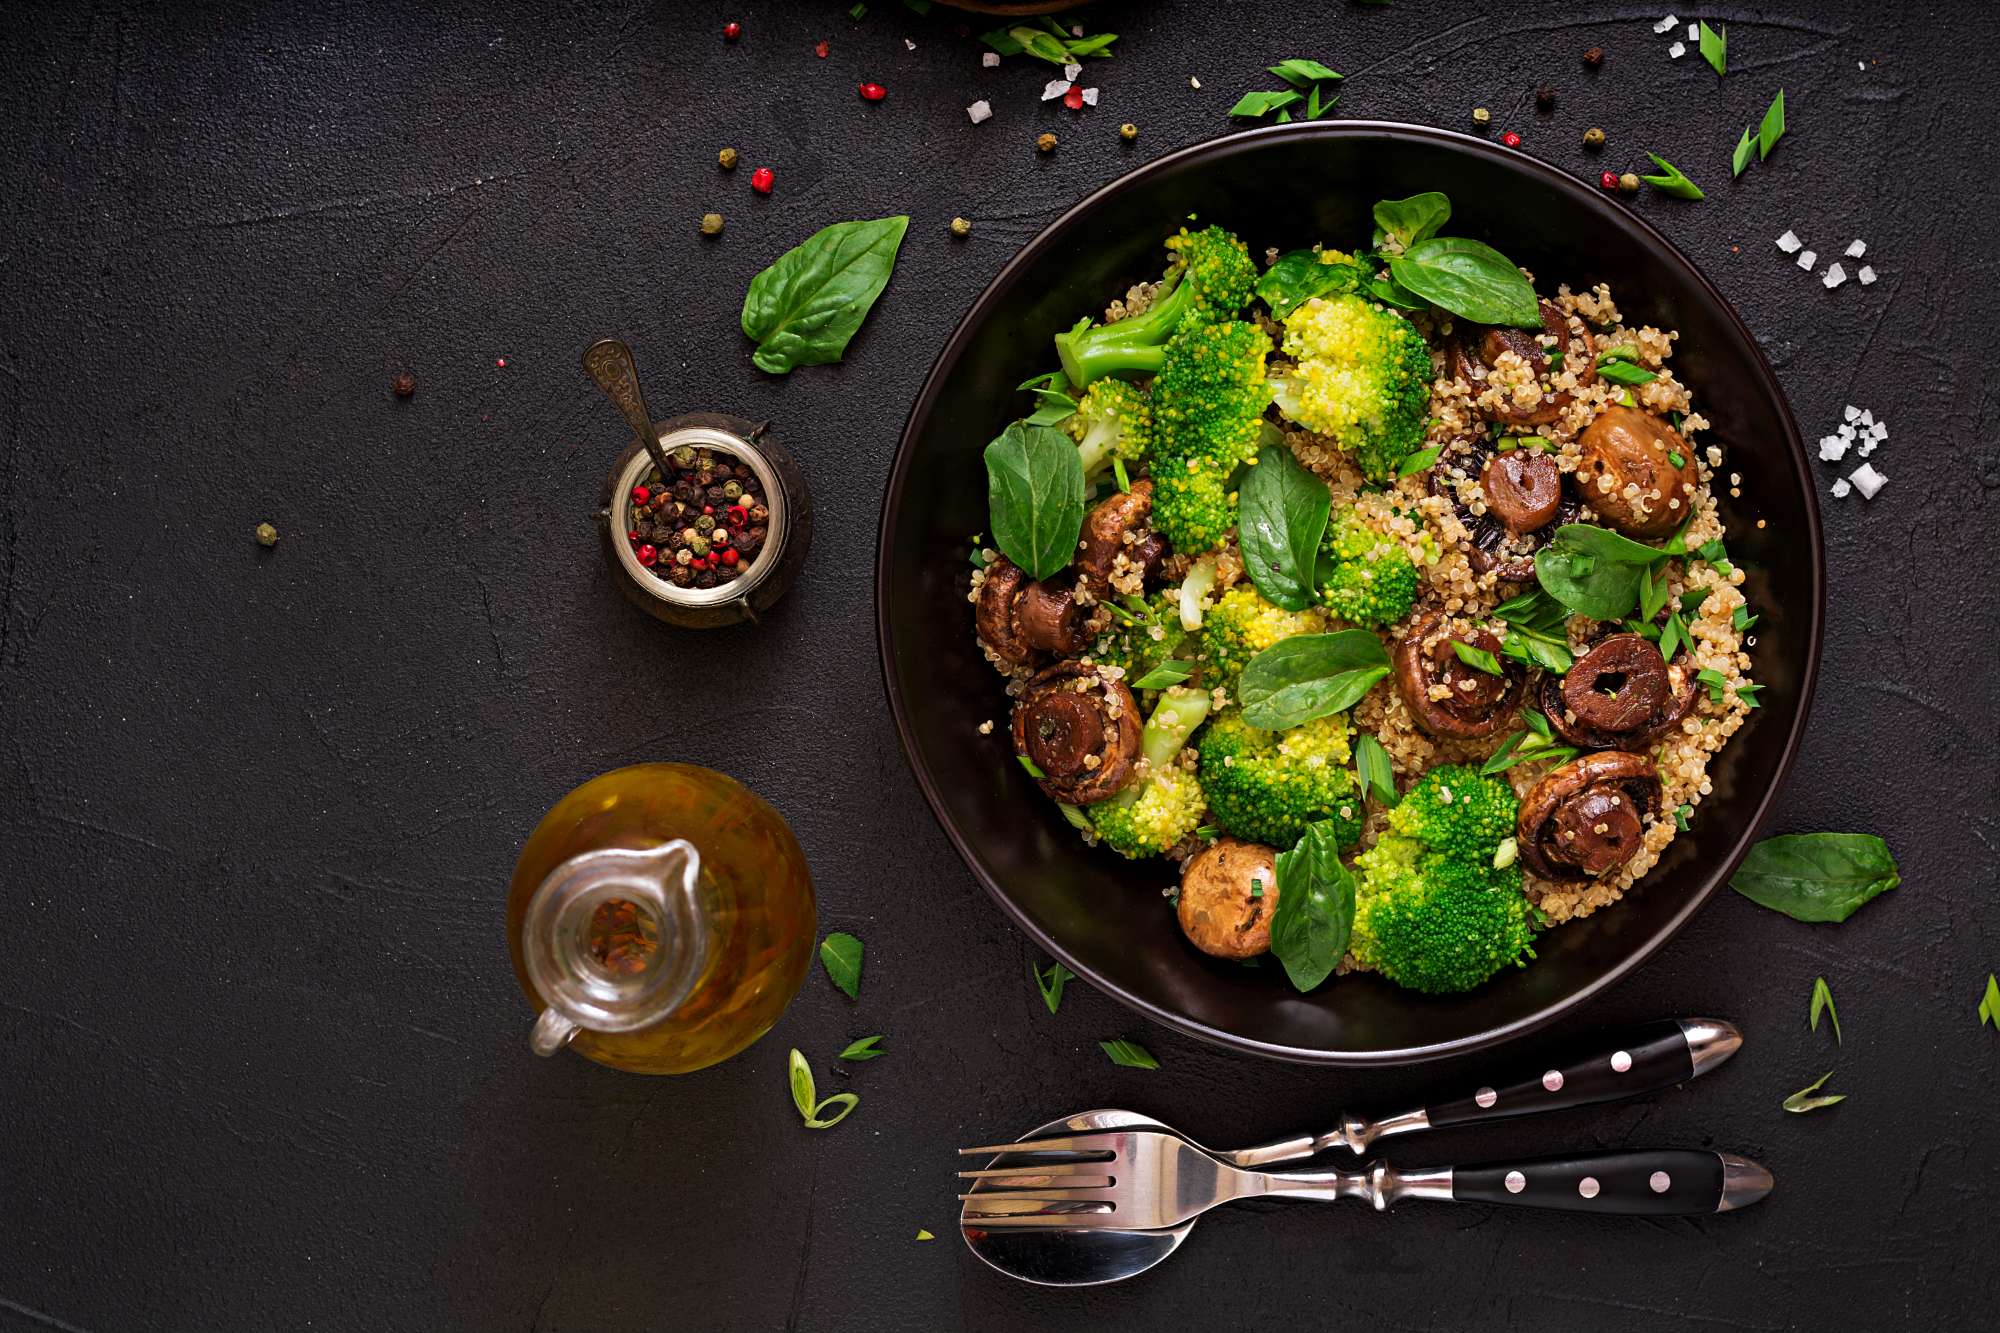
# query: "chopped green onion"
{"points": [[1418, 461], [1477, 658], [1681, 814], [1035, 772], [1674, 457]]}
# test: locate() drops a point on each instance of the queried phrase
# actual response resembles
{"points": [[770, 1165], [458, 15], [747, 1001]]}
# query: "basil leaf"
{"points": [[1282, 517], [1624, 372], [1390, 292], [1594, 571], [1128, 1054], [1470, 279], [803, 309], [1816, 876], [1378, 775], [1772, 128], [1822, 998], [1803, 1100], [1299, 276], [1050, 983], [1741, 157], [1034, 489], [1315, 916], [1263, 104], [863, 1049], [1407, 221], [1671, 181], [840, 953], [1714, 47], [804, 1095], [1310, 675], [1299, 73]]}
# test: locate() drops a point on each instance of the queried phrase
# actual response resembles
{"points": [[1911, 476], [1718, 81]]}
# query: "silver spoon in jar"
{"points": [[609, 362]]}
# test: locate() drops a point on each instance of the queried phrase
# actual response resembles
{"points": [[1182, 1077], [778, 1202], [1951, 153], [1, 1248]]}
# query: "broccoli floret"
{"points": [[1211, 281], [1166, 803], [1364, 577], [1267, 786], [1208, 407], [1113, 419], [1242, 624], [1142, 634], [1363, 377], [1432, 910]]}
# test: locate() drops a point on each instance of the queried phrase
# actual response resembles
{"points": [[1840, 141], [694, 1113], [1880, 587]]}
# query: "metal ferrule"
{"points": [[1381, 1184], [1744, 1182], [1710, 1041]]}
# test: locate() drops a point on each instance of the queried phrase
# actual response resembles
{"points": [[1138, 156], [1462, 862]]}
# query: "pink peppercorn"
{"points": [[761, 180]]}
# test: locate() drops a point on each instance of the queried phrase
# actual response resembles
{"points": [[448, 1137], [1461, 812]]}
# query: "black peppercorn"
{"points": [[759, 515], [1545, 98], [682, 576], [705, 579], [723, 472]]}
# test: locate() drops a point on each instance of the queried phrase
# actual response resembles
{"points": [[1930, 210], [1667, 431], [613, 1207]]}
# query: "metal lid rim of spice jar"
{"points": [[738, 588]]}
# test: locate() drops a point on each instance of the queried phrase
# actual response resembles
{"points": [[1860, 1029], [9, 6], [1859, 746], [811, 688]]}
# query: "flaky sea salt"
{"points": [[1856, 249], [1865, 448], [980, 111], [1850, 412], [909, 45], [991, 60], [1867, 480], [1841, 488], [1194, 83], [1867, 274], [1054, 88], [1867, 416], [1807, 258], [1694, 32], [1677, 50], [1835, 275], [1090, 97], [1832, 449], [1665, 24], [1790, 243], [1071, 70], [1880, 430]]}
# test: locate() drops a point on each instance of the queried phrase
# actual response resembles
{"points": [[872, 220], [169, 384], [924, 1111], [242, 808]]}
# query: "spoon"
{"points": [[609, 363]]}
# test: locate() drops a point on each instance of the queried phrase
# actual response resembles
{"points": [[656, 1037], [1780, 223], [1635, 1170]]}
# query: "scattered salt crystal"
{"points": [[1832, 449], [1054, 88], [1867, 416], [1865, 448], [1071, 70], [1851, 412], [1193, 82], [1694, 32], [1861, 65], [1841, 488], [1879, 430], [1846, 432], [1807, 258], [1076, 30], [1867, 480], [1867, 274], [1790, 243], [1090, 97], [980, 111], [1835, 275], [991, 60], [1856, 249], [1665, 23], [1677, 50]]}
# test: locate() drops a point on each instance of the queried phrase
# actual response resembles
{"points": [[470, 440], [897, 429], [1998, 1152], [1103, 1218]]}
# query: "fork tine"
{"points": [[1082, 1194], [1073, 1172], [1039, 1221], [1074, 1143]]}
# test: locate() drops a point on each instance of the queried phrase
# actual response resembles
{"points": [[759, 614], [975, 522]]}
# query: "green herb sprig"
{"points": [[840, 954], [1822, 1000], [1803, 1100]]}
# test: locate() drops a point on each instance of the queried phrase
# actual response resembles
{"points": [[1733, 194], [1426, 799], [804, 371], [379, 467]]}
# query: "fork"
{"points": [[1137, 1180]]}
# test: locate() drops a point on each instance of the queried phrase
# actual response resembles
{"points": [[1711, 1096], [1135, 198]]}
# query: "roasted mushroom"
{"points": [[1080, 731], [1588, 817], [1229, 892], [1019, 617], [1477, 348], [1520, 486], [1636, 472], [1619, 693], [1105, 537], [1478, 703]]}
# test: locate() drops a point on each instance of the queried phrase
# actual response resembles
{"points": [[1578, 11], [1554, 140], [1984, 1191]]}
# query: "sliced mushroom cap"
{"points": [[1522, 488], [1479, 703], [1596, 705], [1018, 617], [1229, 892], [1497, 545], [1105, 529], [1627, 449], [1477, 348], [1080, 730], [1588, 817]]}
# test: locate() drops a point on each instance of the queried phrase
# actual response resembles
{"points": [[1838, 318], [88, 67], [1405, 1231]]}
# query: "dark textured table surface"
{"points": [[265, 1063]]}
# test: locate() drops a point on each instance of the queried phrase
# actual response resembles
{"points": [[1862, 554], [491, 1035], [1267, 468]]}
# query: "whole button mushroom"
{"points": [[1588, 817], [1624, 450], [1104, 532], [1229, 892], [1522, 489], [1619, 692], [1080, 731], [1479, 703], [1477, 348], [1516, 486], [1018, 617]]}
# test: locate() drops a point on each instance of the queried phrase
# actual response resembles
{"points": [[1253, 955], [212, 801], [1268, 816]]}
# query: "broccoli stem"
{"points": [[1174, 719], [1199, 581], [1132, 346]]}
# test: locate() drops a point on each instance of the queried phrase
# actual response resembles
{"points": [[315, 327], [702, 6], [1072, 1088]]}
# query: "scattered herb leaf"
{"points": [[1741, 619], [863, 1049], [1525, 748], [1050, 983], [1989, 1005], [924, 1235], [1682, 814], [804, 308], [1034, 769], [1652, 593], [1671, 181], [1263, 104], [840, 953], [1803, 1100], [1034, 490], [1822, 998], [1715, 47], [1283, 516], [1741, 157], [1074, 814], [1128, 1054], [1624, 372], [1300, 73], [1772, 127], [1315, 916], [1816, 876], [1310, 675]]}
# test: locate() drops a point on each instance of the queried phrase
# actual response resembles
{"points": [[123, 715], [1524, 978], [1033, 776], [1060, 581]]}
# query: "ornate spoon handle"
{"points": [[609, 363]]}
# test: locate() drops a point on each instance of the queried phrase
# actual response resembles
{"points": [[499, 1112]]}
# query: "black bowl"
{"points": [[1289, 186]]}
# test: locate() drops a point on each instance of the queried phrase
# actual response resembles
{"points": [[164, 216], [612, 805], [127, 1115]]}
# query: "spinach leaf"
{"points": [[1390, 292], [1283, 515], [1315, 916], [1407, 221], [1310, 675], [1816, 876], [1301, 275], [1034, 490], [840, 953], [1594, 571], [1470, 279], [805, 307]]}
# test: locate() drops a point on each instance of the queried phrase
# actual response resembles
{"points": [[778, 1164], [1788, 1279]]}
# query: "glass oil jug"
{"points": [[660, 918]]}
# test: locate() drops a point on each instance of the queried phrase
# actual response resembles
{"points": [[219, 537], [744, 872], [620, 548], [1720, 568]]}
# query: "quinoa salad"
{"points": [[1380, 594]]}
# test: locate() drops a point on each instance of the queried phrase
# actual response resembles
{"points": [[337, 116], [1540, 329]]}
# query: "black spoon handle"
{"points": [[1658, 1182], [1650, 1058]]}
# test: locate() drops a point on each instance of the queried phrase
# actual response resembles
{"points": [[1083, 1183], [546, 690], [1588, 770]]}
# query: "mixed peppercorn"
{"points": [[703, 525]]}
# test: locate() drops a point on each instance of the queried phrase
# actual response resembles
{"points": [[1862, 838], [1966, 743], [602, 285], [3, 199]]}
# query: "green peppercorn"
{"points": [[711, 224], [733, 489], [699, 546], [1628, 183], [1481, 116], [1128, 131], [1593, 137], [727, 159], [266, 535], [961, 227], [704, 523], [1045, 142], [684, 456]]}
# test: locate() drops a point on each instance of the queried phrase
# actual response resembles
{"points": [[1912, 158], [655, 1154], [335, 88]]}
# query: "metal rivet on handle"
{"points": [[1621, 1061], [1553, 1080], [1516, 1182], [1486, 1097], [1660, 1181], [1587, 1187]]}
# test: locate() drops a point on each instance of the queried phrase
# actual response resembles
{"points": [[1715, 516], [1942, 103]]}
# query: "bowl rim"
{"points": [[1573, 192]]}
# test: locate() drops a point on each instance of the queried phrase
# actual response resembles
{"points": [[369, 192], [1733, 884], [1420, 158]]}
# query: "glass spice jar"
{"points": [[667, 538]]}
